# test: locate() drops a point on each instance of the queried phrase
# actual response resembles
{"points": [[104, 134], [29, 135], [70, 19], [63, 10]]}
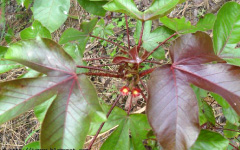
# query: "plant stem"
{"points": [[227, 129], [233, 146], [130, 105], [107, 65], [103, 75], [101, 126], [161, 44], [127, 31], [92, 59], [123, 48], [140, 39], [97, 68]]}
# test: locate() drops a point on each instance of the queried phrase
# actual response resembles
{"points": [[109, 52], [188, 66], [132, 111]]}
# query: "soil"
{"points": [[14, 133]]}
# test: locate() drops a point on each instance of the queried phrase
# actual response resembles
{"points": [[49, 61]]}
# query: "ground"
{"points": [[14, 133]]}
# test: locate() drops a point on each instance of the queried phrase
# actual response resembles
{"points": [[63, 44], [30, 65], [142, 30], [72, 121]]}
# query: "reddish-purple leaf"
{"points": [[172, 107], [67, 120]]}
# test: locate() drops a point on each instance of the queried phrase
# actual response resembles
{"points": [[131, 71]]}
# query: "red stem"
{"points": [[127, 31], [130, 105], [144, 97], [161, 44], [122, 48], [107, 65], [103, 75], [101, 126], [233, 146], [140, 39], [97, 68], [92, 59]]}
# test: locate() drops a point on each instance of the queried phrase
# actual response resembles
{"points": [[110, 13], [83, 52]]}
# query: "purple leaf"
{"points": [[67, 120], [172, 107]]}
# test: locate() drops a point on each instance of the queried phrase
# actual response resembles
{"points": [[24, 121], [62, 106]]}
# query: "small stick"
{"points": [[127, 31], [101, 126]]}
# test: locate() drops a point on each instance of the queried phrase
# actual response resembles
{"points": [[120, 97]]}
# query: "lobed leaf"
{"points": [[182, 26], [71, 111], [172, 107], [94, 7]]}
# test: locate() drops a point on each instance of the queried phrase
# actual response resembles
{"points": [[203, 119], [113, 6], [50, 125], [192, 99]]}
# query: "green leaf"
{"points": [[151, 39], [24, 3], [226, 33], [136, 125], [114, 119], [93, 7], [76, 102], [231, 115], [124, 6], [35, 30], [230, 134], [30, 74], [119, 139], [228, 111], [41, 110], [30, 135], [72, 34], [3, 50], [208, 140], [51, 13], [183, 26], [88, 27], [76, 52], [200, 93], [33, 145], [208, 112], [6, 65], [160, 8]]}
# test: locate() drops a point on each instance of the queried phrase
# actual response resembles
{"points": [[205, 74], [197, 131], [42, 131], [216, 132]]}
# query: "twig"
{"points": [[101, 126]]}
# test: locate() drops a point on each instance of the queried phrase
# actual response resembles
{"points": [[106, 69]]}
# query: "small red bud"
{"points": [[124, 90]]}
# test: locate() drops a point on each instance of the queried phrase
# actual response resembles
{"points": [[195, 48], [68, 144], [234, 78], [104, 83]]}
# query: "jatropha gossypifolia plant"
{"points": [[175, 111]]}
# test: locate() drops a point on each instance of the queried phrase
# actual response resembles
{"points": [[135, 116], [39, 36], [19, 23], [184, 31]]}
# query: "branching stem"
{"points": [[101, 126]]}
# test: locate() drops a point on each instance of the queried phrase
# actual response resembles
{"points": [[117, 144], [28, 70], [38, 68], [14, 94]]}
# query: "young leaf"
{"points": [[93, 7], [210, 140], [226, 33], [70, 113], [135, 125], [124, 6], [182, 26], [160, 8], [35, 30], [72, 34], [170, 93], [51, 18]]}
